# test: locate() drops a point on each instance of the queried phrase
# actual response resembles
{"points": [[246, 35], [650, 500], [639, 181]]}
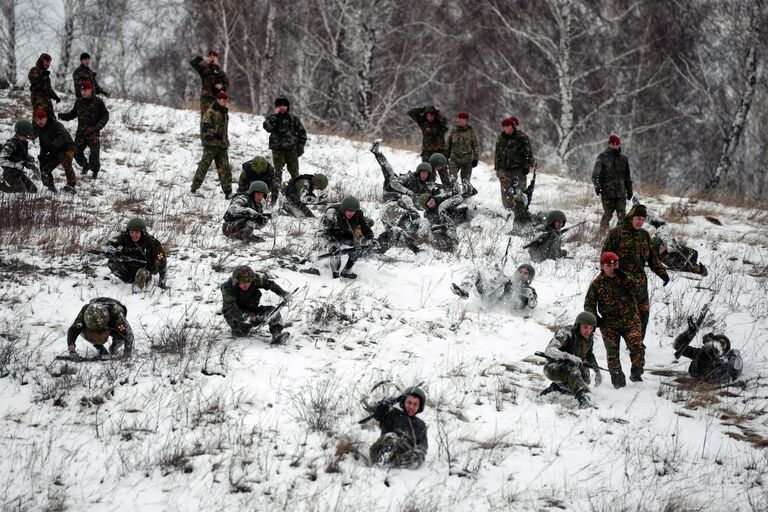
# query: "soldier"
{"points": [[215, 145], [571, 347], [97, 321], [287, 138], [444, 211], [497, 287], [84, 74], [672, 253], [405, 187], [345, 224], [40, 86], [463, 149], [514, 159], [613, 183], [259, 169], [213, 79], [433, 127], [612, 294], [14, 158], [56, 148], [440, 167], [549, 244], [300, 191], [92, 115], [138, 256], [715, 361], [403, 441], [241, 296], [633, 245], [246, 213]]}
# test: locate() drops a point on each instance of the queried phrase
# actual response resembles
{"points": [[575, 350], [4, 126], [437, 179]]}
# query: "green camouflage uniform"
{"points": [[148, 249], [568, 340], [41, 90], [613, 183], [14, 157], [239, 306], [259, 169], [433, 134], [210, 75], [409, 185], [117, 327], [338, 230], [634, 249], [287, 138], [403, 442], [242, 217], [298, 192], [463, 152], [512, 160], [92, 115], [215, 144], [56, 147], [85, 74], [547, 246], [614, 300]]}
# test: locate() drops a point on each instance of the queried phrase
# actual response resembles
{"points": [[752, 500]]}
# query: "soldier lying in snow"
{"points": [[403, 441], [497, 287], [405, 187], [715, 361]]}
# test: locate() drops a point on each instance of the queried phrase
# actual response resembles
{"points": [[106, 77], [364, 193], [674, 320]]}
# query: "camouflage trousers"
{"points": [[16, 181], [388, 173], [223, 169], [461, 169], [49, 162], [244, 328], [91, 141], [43, 103], [611, 205], [242, 229], [298, 210], [205, 103], [392, 450], [641, 297], [683, 259], [126, 272], [285, 158], [632, 332], [508, 200], [568, 374]]}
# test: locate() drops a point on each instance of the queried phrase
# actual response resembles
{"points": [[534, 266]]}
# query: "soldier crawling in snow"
{"points": [[549, 244], [287, 138], [403, 441], [14, 158], [300, 191], [138, 256], [259, 169], [497, 287], [715, 361], [241, 296], [246, 213], [97, 321]]}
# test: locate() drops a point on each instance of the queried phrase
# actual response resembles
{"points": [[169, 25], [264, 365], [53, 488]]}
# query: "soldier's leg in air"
{"points": [[224, 170], [292, 162], [645, 313], [94, 158], [81, 142], [611, 341], [386, 168], [66, 162]]}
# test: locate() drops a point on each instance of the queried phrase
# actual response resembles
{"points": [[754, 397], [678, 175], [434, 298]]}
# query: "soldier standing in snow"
{"points": [[613, 183], [287, 138], [403, 440], [138, 256], [513, 160], [259, 169], [215, 145], [213, 79], [97, 321], [40, 88], [246, 213], [515, 291], [92, 115], [433, 127], [463, 149], [83, 73], [14, 158]]}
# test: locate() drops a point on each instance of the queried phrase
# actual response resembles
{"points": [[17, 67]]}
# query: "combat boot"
{"points": [[617, 378], [348, 274], [52, 188], [555, 387], [85, 169], [375, 146], [142, 278], [636, 374], [69, 189], [103, 353], [585, 399]]}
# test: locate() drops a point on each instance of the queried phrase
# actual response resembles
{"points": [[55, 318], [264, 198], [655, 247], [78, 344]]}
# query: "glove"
{"points": [[74, 356], [598, 378], [597, 191], [299, 150], [572, 358], [474, 163], [666, 281]]}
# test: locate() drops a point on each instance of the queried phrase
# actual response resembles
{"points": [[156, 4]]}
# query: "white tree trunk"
{"points": [[67, 39], [565, 79], [8, 41]]}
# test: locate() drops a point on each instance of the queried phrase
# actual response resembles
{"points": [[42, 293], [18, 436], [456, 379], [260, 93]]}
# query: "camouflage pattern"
{"points": [[611, 176], [498, 287], [409, 184], [210, 75], [56, 148], [568, 340], [513, 154], [443, 217], [299, 192], [40, 89], [463, 150], [239, 306], [635, 249], [548, 245], [117, 327], [614, 299], [148, 249], [85, 74], [336, 227], [259, 169], [92, 115], [216, 126], [617, 205], [403, 442], [243, 216], [14, 157], [433, 134], [215, 144]]}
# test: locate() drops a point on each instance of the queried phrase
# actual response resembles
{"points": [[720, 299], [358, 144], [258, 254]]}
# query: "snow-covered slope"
{"points": [[278, 430]]}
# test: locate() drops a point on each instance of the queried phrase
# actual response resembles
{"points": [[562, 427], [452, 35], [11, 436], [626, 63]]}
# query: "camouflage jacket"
{"points": [[243, 207], [239, 305], [513, 152], [395, 420], [411, 183], [568, 340], [54, 138], [148, 248], [433, 134], [300, 190], [463, 147], [258, 169], [117, 327], [546, 246], [85, 74], [40, 81], [15, 151], [210, 75], [611, 175], [613, 298], [91, 114], [285, 131], [336, 226], [216, 126], [433, 215], [634, 248]]}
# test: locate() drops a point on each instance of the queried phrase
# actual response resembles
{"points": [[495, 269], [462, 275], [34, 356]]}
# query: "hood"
{"points": [[40, 59]]}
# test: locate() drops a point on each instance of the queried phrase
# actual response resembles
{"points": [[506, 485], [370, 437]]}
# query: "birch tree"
{"points": [[8, 42]]}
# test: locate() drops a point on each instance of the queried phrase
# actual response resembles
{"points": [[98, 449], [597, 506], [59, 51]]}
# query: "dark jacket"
{"points": [[258, 169], [285, 131], [569, 340], [15, 151], [117, 327], [635, 249], [611, 175], [216, 126], [85, 74], [148, 248], [40, 81], [513, 153], [91, 113], [54, 138], [395, 420], [336, 226], [239, 305]]}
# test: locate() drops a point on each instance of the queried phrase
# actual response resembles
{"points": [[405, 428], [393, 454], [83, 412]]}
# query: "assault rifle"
{"points": [[389, 402], [348, 249], [121, 257], [583, 363], [272, 314], [551, 233]]}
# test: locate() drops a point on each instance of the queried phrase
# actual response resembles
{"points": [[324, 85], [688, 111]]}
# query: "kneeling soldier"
{"points": [[246, 213], [259, 169], [138, 256], [403, 441], [300, 191], [98, 320], [345, 224], [14, 158]]}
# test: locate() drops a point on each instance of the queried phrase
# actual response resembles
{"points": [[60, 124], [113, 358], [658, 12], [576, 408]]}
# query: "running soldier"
{"points": [[138, 256], [246, 213], [56, 148], [613, 183], [403, 440], [92, 115], [14, 158], [97, 321]]}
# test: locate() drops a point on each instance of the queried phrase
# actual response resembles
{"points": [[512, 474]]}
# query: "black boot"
{"points": [[617, 378], [555, 387], [585, 399], [636, 374]]}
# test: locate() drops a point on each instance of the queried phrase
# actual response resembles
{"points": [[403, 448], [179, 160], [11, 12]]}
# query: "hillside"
{"points": [[201, 421]]}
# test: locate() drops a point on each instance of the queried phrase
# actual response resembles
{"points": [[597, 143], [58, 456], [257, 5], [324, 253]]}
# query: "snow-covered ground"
{"points": [[278, 430]]}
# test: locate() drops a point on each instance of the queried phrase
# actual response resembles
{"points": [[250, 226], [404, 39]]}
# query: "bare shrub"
{"points": [[316, 405]]}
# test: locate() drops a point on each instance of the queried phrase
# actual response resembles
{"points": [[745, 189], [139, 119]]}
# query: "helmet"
{"points": [[529, 268], [438, 159], [258, 186], [320, 181], [136, 224], [424, 199], [259, 164], [23, 127], [415, 391], [424, 166], [96, 316], [243, 274], [555, 215], [350, 203], [585, 317]]}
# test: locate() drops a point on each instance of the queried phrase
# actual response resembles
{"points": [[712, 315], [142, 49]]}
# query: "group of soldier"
{"points": [[418, 210]]}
